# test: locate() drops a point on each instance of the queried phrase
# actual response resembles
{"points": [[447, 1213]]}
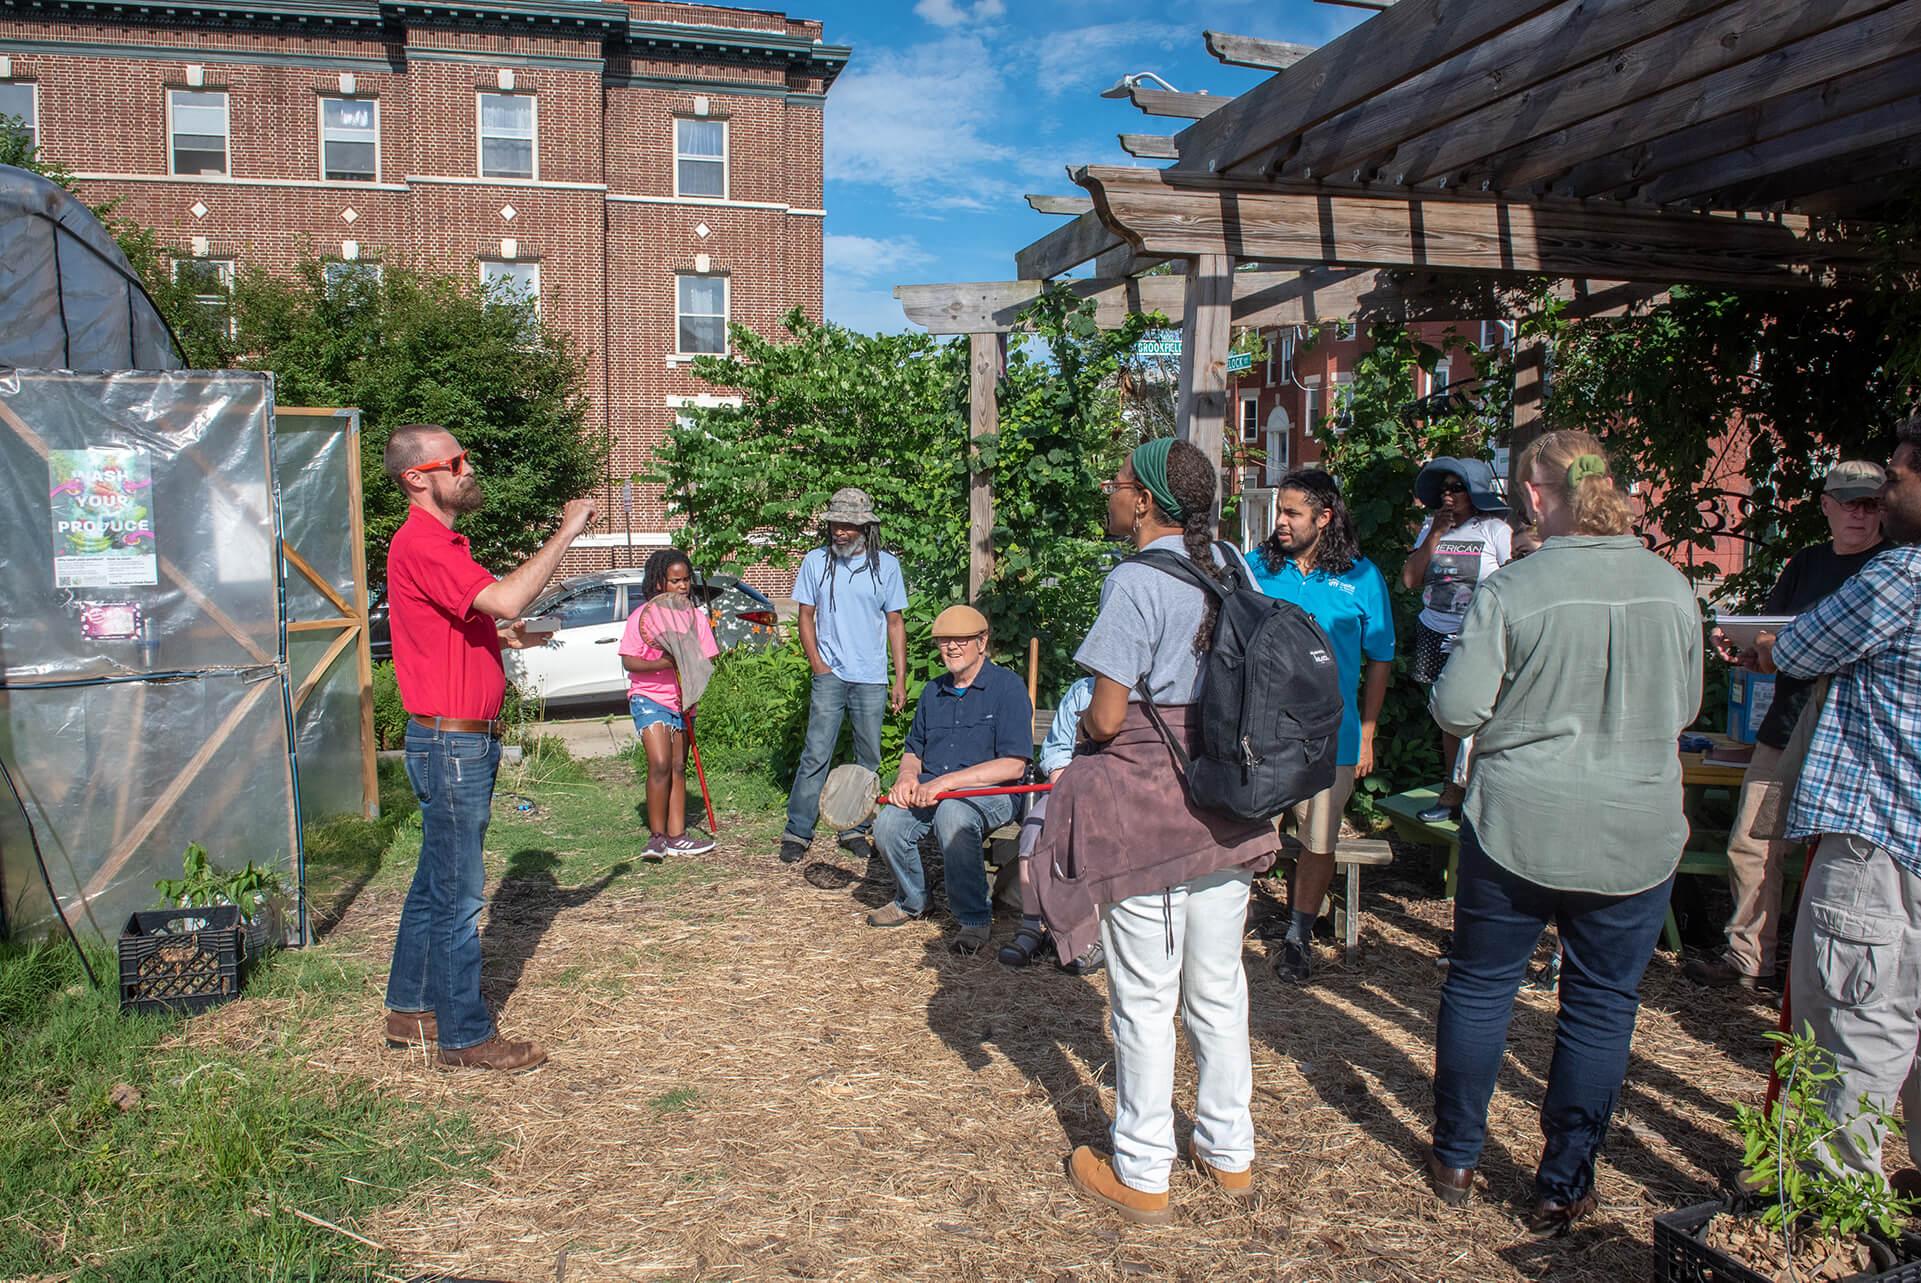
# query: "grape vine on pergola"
{"points": [[1448, 154]]}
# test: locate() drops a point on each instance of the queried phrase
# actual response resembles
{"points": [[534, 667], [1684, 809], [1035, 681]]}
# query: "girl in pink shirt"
{"points": [[653, 697]]}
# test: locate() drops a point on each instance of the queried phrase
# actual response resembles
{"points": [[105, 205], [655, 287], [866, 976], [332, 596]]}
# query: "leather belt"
{"points": [[473, 725]]}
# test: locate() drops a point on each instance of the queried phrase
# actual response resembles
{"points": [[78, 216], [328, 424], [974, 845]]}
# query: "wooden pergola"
{"points": [[1443, 153]]}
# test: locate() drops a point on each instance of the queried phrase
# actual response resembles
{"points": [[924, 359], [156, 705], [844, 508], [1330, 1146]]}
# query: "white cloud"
{"points": [[1090, 55], [868, 308], [955, 13], [865, 257]]}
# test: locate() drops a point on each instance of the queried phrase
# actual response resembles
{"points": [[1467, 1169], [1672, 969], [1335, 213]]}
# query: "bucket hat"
{"points": [[1478, 477], [850, 506]]}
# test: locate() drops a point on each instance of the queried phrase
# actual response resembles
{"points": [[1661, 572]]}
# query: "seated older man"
{"points": [[973, 728]]}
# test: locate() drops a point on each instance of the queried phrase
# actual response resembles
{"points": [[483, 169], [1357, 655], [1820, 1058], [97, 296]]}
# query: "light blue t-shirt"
{"points": [[850, 611], [1057, 750], [1354, 611]]}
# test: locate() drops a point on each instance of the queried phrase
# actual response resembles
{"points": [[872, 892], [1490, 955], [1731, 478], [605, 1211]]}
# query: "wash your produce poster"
{"points": [[102, 517]]}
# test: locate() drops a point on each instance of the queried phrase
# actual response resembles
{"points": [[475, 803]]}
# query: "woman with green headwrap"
{"points": [[1124, 848], [1575, 672]]}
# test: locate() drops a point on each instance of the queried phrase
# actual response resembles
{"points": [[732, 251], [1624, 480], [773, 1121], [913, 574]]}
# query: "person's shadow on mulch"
{"points": [[874, 886], [524, 906], [1036, 1016]]}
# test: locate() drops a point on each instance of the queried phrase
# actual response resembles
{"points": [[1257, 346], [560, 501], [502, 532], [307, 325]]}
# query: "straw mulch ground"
{"points": [[749, 1083]]}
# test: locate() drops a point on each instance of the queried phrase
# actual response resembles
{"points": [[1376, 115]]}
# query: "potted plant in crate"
{"points": [[258, 893], [1797, 1217]]}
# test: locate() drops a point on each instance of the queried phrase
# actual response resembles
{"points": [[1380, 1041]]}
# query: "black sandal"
{"points": [[1026, 945]]}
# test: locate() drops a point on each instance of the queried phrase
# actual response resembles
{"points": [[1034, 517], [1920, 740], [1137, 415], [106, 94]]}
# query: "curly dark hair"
{"points": [[1340, 547], [653, 579], [1909, 433], [1191, 478]]}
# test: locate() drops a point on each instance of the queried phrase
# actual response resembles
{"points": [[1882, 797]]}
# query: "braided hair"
{"points": [[653, 577], [1191, 479], [870, 540]]}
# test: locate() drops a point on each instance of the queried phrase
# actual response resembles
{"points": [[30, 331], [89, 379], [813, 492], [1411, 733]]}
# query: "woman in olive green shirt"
{"points": [[1576, 670]]}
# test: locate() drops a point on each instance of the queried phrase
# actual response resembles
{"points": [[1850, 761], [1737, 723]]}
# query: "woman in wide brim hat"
{"points": [[1465, 539]]}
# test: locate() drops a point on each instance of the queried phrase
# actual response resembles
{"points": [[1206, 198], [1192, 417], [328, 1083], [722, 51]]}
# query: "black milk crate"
{"points": [[1681, 1257], [170, 962]]}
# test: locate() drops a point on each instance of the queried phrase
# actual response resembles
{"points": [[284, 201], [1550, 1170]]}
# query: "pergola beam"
{"points": [[1162, 102], [1069, 205], [1067, 246], [1311, 225], [1884, 126], [1150, 146], [1350, 69], [1252, 51]]}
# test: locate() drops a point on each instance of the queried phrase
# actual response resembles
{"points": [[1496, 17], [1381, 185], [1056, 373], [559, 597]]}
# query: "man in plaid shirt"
{"points": [[1856, 974]]}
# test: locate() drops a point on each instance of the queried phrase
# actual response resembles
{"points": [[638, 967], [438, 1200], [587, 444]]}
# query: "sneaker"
{"points": [[1719, 972], [1295, 961], [792, 850], [688, 844], [656, 849], [891, 915], [1088, 963], [969, 941], [859, 845]]}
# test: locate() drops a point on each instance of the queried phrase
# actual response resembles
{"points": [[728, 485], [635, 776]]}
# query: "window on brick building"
{"points": [[211, 280], [700, 158], [508, 128], [342, 276], [197, 127], [1250, 419], [17, 110], [701, 311], [350, 139], [512, 280]]}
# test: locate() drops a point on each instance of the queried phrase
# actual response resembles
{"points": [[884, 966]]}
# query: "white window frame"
{"points": [[224, 269], [330, 266], [1341, 401], [320, 117], [1279, 462], [1285, 346], [33, 105], [532, 264], [226, 114], [1249, 401], [481, 136], [1311, 405], [726, 174], [726, 310]]}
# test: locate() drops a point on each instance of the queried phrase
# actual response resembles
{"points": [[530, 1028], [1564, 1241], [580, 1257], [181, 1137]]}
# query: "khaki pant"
{"points": [[1317, 821], [1755, 864]]}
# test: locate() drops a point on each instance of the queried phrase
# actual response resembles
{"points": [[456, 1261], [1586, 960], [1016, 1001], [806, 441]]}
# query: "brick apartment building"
{"points": [[651, 171]]}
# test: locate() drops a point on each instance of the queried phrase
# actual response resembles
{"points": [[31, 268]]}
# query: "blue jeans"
{"points": [[1606, 942], [866, 704], [960, 825], [436, 962]]}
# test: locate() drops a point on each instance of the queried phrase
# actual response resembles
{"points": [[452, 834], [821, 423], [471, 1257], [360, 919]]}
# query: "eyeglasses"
{"points": [[453, 464], [1109, 487], [955, 643]]}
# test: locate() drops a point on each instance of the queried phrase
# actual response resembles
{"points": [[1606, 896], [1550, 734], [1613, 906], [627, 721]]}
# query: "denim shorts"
{"points": [[647, 713]]}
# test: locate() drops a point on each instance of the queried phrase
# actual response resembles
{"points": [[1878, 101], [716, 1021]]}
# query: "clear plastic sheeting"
{"points": [[120, 776], [146, 702], [70, 298], [317, 459], [140, 524]]}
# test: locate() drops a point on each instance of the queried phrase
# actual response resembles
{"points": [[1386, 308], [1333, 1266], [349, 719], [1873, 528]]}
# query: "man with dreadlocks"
{"points": [[851, 596]]}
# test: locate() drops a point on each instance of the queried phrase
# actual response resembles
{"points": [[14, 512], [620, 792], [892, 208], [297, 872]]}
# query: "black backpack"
{"points": [[1271, 705]]}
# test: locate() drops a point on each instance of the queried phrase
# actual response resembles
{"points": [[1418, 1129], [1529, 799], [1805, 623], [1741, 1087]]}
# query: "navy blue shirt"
{"points": [[958, 727]]}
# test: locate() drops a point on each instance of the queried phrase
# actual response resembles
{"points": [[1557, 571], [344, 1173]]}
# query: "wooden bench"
{"points": [[1403, 812], [1350, 855]]}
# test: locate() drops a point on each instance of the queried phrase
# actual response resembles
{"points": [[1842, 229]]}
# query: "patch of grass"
{"points": [[678, 1101], [193, 1178]]}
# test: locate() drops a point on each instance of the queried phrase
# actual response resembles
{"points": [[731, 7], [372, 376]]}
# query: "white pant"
{"points": [[1186, 944]]}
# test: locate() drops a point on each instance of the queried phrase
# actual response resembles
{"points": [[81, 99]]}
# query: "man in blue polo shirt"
{"points": [[1314, 560], [973, 728]]}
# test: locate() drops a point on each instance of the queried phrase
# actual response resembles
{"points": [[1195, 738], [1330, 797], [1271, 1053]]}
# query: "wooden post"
{"points": [[1530, 389], [1204, 342], [987, 353]]}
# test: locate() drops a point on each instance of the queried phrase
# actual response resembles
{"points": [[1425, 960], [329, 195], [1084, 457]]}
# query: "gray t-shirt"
{"points": [[1146, 628]]}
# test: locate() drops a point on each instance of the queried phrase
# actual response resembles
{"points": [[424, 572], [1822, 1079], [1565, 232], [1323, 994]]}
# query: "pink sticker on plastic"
{"points": [[110, 621]]}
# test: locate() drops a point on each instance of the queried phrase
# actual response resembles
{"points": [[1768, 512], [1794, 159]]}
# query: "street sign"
{"points": [[1159, 343], [1237, 361]]}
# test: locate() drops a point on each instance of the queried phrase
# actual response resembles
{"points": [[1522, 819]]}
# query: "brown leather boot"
{"points": [[1452, 1185], [1093, 1175], [496, 1053], [1236, 1185], [412, 1029]]}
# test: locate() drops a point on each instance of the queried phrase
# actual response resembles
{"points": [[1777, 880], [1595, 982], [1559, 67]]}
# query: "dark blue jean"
{"points": [[436, 962], [1606, 942], [866, 704], [960, 825]]}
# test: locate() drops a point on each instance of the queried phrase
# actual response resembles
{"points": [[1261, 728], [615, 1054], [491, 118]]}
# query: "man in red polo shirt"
{"points": [[443, 607]]}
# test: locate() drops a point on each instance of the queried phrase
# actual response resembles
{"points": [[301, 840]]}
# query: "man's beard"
{"points": [[849, 550], [1897, 528], [1298, 548], [467, 497]]}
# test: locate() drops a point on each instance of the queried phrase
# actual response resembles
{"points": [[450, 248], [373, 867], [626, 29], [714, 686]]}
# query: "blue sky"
{"points": [[951, 110]]}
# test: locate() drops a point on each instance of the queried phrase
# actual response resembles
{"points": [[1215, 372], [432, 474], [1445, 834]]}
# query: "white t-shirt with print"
{"points": [[1463, 557]]}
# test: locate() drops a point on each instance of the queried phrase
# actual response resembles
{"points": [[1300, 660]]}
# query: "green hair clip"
{"points": [[1585, 466]]}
